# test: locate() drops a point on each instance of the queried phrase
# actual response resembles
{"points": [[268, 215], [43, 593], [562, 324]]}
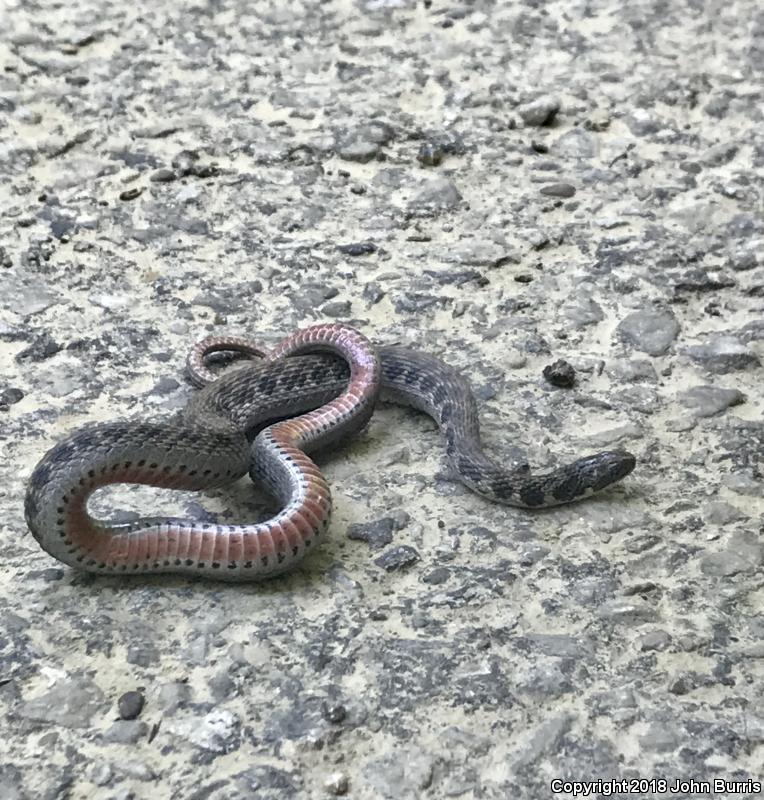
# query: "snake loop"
{"points": [[207, 448]]}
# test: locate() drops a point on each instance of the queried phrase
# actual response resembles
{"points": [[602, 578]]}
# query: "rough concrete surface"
{"points": [[506, 184]]}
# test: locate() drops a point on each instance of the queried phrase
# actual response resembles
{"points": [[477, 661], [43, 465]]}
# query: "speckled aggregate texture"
{"points": [[507, 185]]}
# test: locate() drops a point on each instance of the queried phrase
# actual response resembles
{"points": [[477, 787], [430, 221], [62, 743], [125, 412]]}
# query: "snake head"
{"points": [[598, 471]]}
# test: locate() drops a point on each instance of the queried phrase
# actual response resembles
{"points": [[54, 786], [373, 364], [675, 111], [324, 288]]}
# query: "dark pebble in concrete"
{"points": [[130, 705], [42, 348], [561, 373], [378, 533], [10, 396], [334, 713], [430, 155], [397, 558], [357, 248], [558, 190], [163, 175]]}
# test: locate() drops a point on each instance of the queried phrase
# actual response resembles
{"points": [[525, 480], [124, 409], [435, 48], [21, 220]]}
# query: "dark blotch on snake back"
{"points": [[532, 496], [568, 489]]}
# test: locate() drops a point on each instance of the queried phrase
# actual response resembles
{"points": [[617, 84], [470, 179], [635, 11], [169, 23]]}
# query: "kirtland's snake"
{"points": [[209, 446]]}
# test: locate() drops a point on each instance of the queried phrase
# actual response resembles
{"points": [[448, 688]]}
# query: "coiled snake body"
{"points": [[209, 446]]}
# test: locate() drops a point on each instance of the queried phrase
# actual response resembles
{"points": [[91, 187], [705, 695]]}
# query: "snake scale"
{"points": [[314, 389]]}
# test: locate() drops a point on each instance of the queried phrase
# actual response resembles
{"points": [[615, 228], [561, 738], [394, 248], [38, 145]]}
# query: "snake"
{"points": [[315, 389]]}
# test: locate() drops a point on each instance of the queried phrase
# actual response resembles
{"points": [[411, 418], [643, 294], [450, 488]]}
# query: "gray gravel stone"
{"points": [[439, 193], [576, 143], [541, 111], [397, 558], [43, 348], [10, 396], [266, 782], [338, 309], [558, 190], [743, 484], [661, 738], [126, 731], [102, 775], [29, 300], [706, 401], [71, 702], [629, 611], [405, 772], [11, 784], [614, 436], [744, 554], [360, 150], [642, 123], [725, 564], [216, 732], [546, 738], [650, 331], [722, 354], [376, 534], [720, 513], [172, 696], [654, 640], [634, 369], [583, 311]]}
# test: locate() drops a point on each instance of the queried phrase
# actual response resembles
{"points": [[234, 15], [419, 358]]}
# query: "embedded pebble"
{"points": [[560, 373], [654, 640], [583, 311], [406, 773], [722, 354], [30, 300], [102, 775], [612, 436], [540, 111], [71, 702], [357, 248], [358, 148], [706, 401], [650, 331], [743, 484], [558, 190], [397, 558], [10, 396], [632, 612], [439, 193], [163, 175], [376, 534], [635, 369], [721, 513], [130, 704], [42, 348], [126, 731], [337, 784], [744, 553], [576, 143], [430, 154], [217, 732]]}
